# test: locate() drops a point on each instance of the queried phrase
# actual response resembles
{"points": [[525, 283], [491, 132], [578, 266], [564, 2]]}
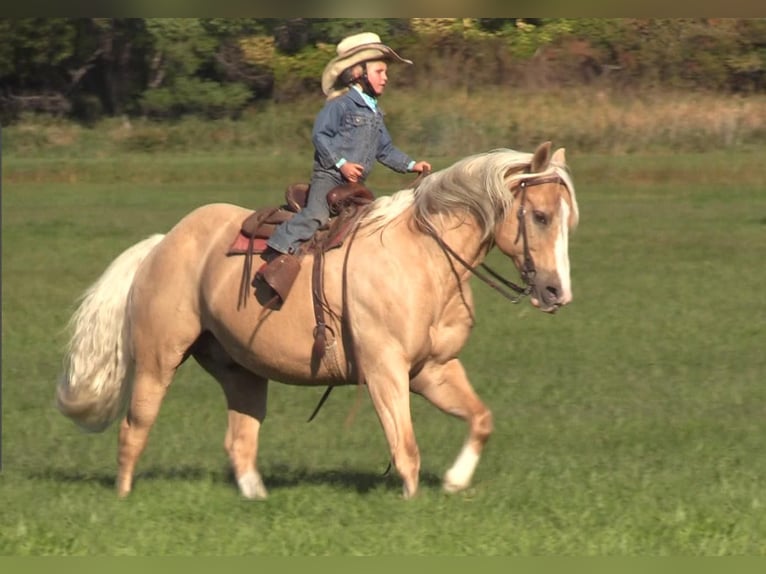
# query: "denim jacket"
{"points": [[347, 128]]}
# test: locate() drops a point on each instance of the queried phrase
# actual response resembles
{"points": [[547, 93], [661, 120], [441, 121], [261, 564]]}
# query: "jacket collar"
{"points": [[359, 99]]}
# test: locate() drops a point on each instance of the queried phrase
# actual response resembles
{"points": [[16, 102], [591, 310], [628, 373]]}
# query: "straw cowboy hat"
{"points": [[355, 50]]}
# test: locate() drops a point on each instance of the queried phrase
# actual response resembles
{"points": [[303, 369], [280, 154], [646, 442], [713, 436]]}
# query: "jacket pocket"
{"points": [[355, 121]]}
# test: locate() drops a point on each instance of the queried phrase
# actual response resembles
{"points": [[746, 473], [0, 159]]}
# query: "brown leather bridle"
{"points": [[528, 271]]}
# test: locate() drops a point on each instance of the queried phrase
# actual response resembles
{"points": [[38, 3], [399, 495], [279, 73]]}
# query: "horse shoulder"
{"points": [[452, 327]]}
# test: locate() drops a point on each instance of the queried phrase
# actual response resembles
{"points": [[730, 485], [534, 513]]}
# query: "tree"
{"points": [[180, 50], [33, 74]]}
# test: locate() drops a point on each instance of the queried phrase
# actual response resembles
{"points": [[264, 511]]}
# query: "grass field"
{"points": [[631, 423]]}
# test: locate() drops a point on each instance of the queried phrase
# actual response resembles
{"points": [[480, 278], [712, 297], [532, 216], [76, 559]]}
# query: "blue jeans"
{"points": [[288, 237]]}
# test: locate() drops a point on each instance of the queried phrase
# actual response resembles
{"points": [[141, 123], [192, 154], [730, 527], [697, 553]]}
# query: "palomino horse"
{"points": [[396, 293]]}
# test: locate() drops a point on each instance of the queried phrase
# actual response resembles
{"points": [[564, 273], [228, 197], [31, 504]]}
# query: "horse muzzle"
{"points": [[549, 296]]}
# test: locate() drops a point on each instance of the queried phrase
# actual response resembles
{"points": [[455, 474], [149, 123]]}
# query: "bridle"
{"points": [[528, 271]]}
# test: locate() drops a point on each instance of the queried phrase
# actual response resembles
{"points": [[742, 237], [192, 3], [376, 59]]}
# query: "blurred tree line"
{"points": [[86, 68]]}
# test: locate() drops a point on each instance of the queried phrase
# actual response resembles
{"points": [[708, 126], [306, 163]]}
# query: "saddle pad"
{"points": [[242, 243]]}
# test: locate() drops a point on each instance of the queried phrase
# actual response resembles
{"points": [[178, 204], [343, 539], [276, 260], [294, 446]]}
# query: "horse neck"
{"points": [[463, 235]]}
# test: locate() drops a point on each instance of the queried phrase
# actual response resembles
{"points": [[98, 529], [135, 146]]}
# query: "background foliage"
{"points": [[87, 68]]}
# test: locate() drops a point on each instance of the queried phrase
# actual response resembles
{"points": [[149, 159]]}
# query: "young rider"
{"points": [[349, 135]]}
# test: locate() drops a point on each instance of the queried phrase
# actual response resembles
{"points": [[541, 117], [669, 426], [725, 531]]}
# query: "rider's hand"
{"points": [[422, 166], [353, 172]]}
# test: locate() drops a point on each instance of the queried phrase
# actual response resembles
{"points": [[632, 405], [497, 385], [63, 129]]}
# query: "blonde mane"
{"points": [[475, 185]]}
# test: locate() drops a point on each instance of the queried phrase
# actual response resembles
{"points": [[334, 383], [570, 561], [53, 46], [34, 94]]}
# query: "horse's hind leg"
{"points": [[448, 388], [149, 388], [159, 347], [246, 397], [246, 400]]}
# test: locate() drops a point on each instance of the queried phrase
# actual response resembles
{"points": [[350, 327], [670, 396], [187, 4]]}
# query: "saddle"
{"points": [[346, 202]]}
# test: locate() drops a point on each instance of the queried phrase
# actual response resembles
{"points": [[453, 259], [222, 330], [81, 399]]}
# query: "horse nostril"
{"points": [[551, 293]]}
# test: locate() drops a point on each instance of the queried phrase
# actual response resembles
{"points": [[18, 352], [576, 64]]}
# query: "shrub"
{"points": [[193, 95]]}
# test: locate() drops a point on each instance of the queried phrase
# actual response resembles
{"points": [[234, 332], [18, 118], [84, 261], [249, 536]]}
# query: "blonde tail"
{"points": [[95, 384]]}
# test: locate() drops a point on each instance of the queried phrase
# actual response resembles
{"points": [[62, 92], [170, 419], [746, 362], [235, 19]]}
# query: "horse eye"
{"points": [[539, 217]]}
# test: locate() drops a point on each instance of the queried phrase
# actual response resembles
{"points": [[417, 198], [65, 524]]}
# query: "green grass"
{"points": [[631, 423]]}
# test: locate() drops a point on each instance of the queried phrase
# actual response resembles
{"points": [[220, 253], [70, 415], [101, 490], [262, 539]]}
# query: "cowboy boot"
{"points": [[279, 272]]}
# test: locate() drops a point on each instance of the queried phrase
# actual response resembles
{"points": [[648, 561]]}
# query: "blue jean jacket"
{"points": [[346, 127]]}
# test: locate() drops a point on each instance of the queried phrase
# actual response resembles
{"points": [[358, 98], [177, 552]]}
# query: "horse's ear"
{"points": [[559, 157], [541, 157]]}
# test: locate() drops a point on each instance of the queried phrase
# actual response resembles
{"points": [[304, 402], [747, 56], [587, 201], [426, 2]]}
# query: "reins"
{"points": [[528, 271], [520, 291]]}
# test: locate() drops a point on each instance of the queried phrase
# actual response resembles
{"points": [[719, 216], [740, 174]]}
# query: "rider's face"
{"points": [[377, 75]]}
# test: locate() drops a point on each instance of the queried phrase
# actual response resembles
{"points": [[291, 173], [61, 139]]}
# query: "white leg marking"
{"points": [[562, 257], [251, 486], [459, 476]]}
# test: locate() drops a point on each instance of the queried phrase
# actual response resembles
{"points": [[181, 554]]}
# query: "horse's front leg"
{"points": [[388, 383], [447, 387]]}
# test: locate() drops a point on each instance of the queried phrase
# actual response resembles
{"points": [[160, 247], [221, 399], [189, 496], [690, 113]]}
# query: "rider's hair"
{"points": [[351, 74]]}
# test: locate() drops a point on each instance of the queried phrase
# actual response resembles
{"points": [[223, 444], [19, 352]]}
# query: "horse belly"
{"points": [[271, 356], [279, 344]]}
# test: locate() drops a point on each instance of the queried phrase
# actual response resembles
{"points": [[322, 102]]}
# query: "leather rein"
{"points": [[528, 271]]}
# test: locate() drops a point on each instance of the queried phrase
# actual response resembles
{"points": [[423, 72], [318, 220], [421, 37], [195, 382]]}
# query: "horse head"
{"points": [[534, 233]]}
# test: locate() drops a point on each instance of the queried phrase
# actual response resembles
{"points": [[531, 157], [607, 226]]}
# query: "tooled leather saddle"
{"points": [[347, 202]]}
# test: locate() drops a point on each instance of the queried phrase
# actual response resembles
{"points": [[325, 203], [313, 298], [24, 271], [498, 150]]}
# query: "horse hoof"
{"points": [[251, 486], [450, 488], [409, 494], [453, 486]]}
